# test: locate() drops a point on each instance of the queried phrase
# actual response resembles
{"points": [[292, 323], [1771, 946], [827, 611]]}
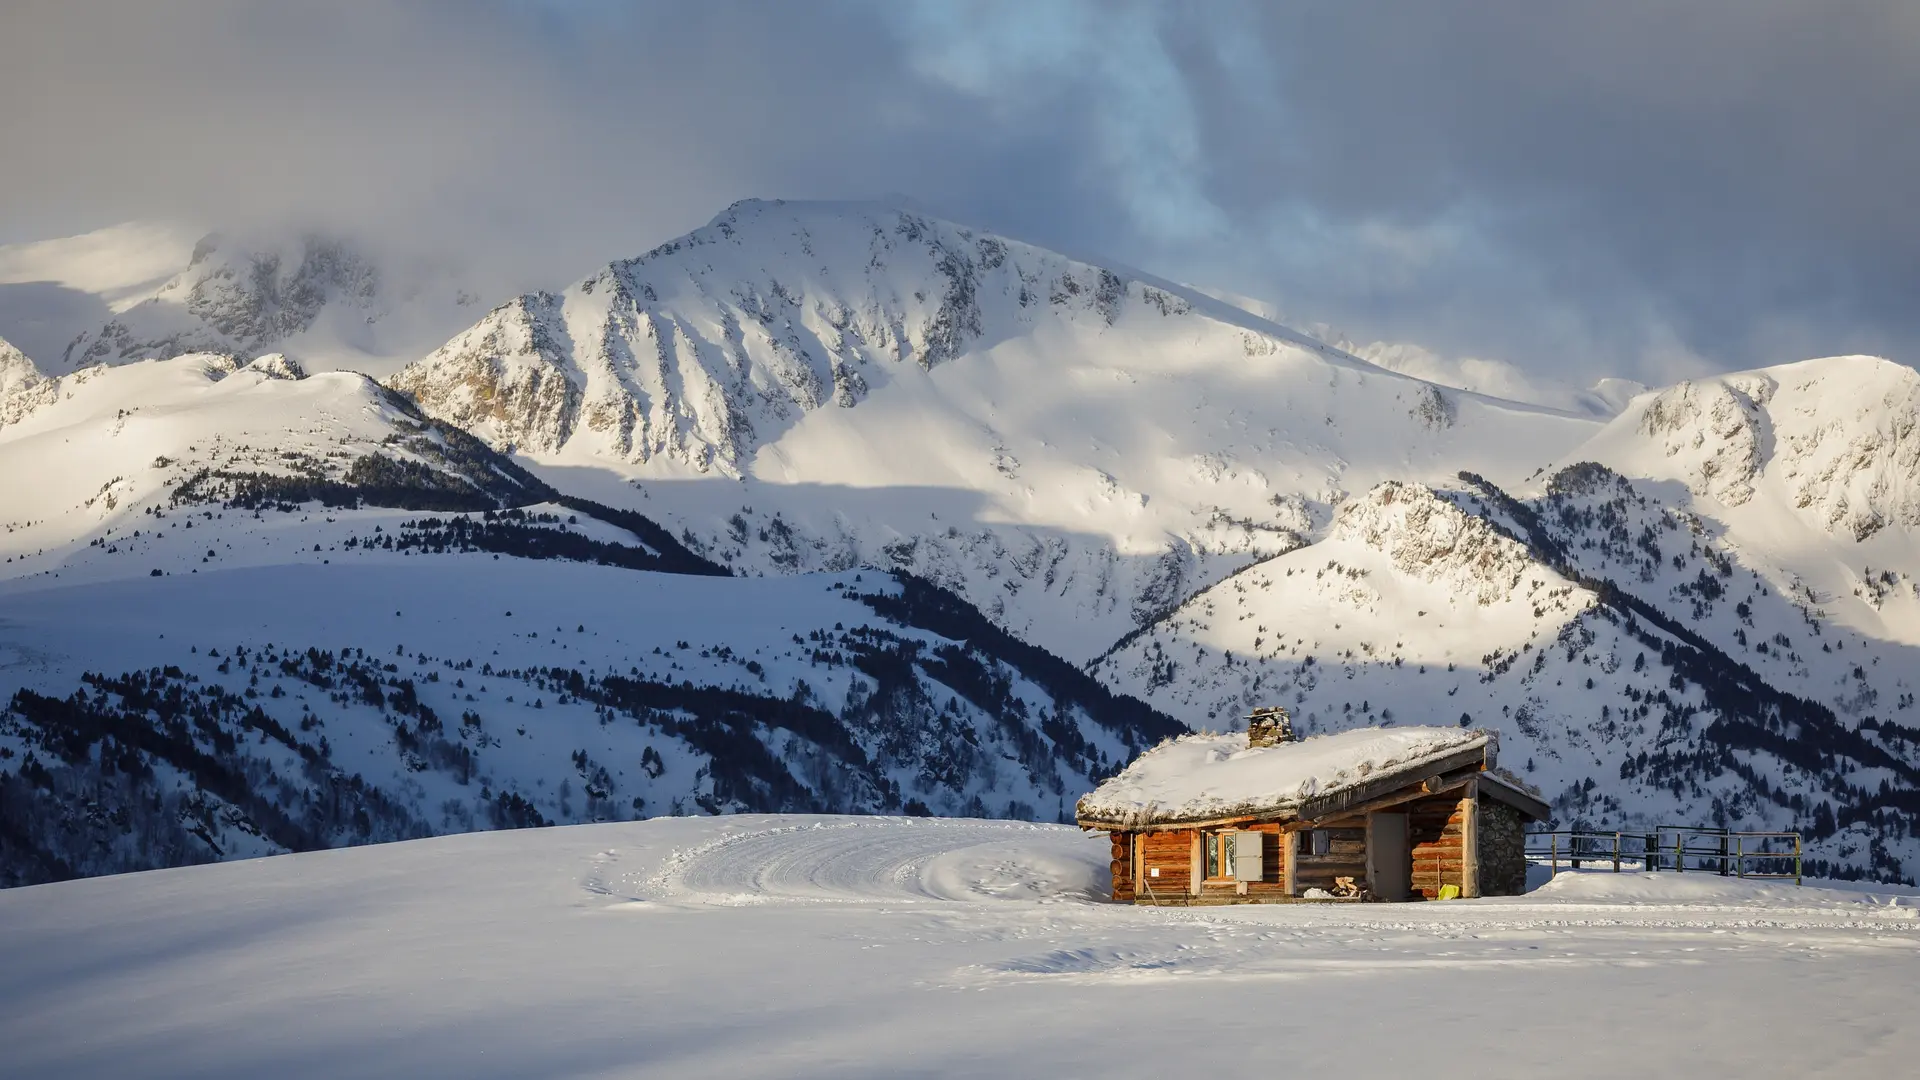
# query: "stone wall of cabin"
{"points": [[1501, 832]]}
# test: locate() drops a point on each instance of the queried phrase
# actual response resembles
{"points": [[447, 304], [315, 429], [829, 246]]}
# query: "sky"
{"points": [[1647, 190]]}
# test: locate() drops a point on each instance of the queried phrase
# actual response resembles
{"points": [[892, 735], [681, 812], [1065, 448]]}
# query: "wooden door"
{"points": [[1389, 856]]}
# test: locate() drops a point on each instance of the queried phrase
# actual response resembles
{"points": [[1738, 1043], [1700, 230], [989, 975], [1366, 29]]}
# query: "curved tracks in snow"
{"points": [[885, 860]]}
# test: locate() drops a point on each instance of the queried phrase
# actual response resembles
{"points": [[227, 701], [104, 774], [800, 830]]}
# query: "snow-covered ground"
{"points": [[824, 946]]}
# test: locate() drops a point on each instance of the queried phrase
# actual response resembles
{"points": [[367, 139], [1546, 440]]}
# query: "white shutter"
{"points": [[1247, 849]]}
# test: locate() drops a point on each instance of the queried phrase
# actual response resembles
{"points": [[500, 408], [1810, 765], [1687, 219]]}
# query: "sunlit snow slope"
{"points": [[794, 946], [1073, 446], [244, 612]]}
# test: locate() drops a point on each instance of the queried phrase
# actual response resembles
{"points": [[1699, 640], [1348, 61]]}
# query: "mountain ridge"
{"points": [[990, 415], [972, 476]]}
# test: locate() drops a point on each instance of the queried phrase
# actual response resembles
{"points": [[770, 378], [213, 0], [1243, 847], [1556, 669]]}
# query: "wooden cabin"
{"points": [[1396, 813]]}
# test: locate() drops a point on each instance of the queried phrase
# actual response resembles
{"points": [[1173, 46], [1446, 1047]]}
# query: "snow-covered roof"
{"points": [[1207, 777]]}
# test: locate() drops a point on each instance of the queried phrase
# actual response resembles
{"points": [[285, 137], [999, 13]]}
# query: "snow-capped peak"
{"points": [[1836, 440], [22, 386], [324, 298], [710, 346], [16, 369], [982, 412]]}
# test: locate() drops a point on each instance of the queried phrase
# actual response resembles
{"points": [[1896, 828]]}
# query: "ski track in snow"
{"points": [[864, 860]]}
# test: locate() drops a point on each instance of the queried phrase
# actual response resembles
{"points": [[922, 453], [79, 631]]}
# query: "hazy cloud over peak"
{"points": [[1634, 188]]}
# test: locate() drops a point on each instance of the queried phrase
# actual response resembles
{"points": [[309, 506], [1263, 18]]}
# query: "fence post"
{"points": [[1740, 856], [1651, 846], [1553, 843], [1679, 851], [1796, 858], [1723, 853], [1616, 852]]}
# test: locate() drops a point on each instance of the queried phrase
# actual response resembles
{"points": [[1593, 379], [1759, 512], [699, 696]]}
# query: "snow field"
{"points": [[819, 946]]}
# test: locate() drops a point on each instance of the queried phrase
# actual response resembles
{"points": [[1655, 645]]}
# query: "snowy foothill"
{"points": [[798, 946]]}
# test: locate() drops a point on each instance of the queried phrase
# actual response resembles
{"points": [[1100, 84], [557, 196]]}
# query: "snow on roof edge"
{"points": [[1208, 776]]}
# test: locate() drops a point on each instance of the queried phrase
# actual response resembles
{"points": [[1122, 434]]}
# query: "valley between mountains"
{"points": [[841, 508]]}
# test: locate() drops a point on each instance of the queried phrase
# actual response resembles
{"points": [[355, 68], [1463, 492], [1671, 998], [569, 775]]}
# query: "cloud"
{"points": [[1728, 175], [1573, 189]]}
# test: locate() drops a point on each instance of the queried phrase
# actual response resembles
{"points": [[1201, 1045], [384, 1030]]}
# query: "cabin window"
{"points": [[1321, 842], [1219, 853]]}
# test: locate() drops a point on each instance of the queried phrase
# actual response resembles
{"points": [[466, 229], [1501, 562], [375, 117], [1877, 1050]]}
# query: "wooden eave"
{"points": [[1439, 773], [1493, 786]]}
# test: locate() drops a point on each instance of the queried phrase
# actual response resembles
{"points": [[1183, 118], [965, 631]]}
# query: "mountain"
{"points": [[21, 383], [244, 610], [1494, 378], [850, 508], [1824, 445], [1705, 614], [1073, 446], [53, 290], [146, 291]]}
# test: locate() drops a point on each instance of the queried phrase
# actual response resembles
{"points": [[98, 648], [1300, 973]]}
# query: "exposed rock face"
{"points": [[18, 377], [1717, 429], [697, 353], [507, 380], [1431, 539], [1849, 444], [22, 387], [234, 300], [1433, 408], [1840, 437], [278, 366]]}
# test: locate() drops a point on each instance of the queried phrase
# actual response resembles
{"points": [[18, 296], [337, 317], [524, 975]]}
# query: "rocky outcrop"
{"points": [[1840, 437], [1718, 431], [1849, 445], [234, 298], [278, 366], [1431, 539], [22, 387], [508, 380]]}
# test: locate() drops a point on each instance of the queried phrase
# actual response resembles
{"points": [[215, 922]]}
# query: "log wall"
{"points": [[1172, 854], [1346, 857], [1437, 831], [1122, 866], [1272, 883], [1435, 828]]}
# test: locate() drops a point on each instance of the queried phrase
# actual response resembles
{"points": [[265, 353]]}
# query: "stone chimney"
{"points": [[1269, 726]]}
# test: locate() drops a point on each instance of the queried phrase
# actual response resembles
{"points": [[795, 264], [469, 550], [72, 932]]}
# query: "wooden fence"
{"points": [[1676, 848]]}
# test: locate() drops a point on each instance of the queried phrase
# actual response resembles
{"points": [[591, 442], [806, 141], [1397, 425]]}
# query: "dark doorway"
{"points": [[1389, 856]]}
